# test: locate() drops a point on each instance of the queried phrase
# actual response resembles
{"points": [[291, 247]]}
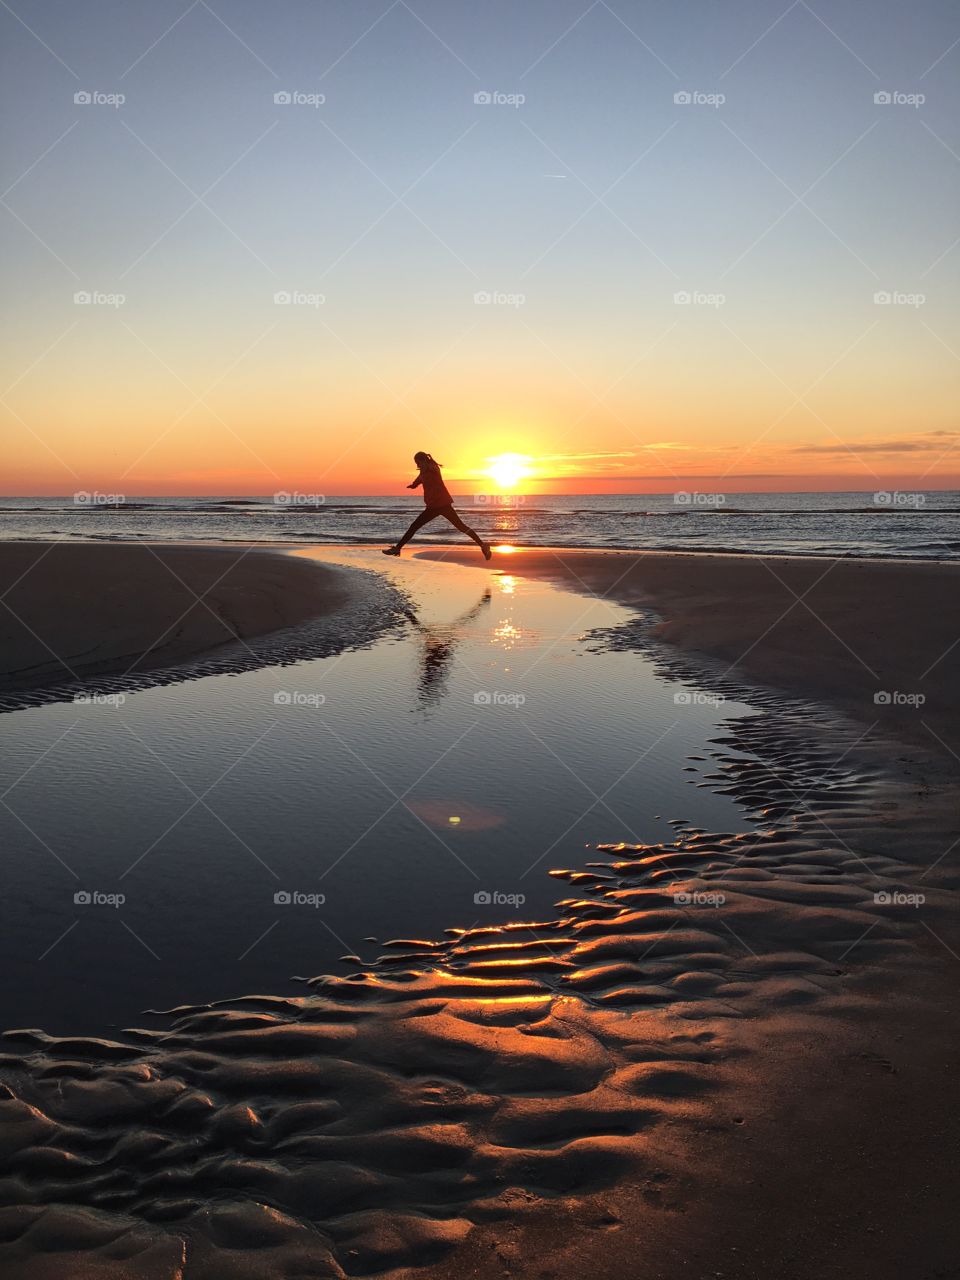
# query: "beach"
{"points": [[73, 610], [878, 639], [726, 1051], [479, 643]]}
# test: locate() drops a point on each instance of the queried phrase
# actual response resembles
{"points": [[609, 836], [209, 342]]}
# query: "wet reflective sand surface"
{"points": [[694, 875]]}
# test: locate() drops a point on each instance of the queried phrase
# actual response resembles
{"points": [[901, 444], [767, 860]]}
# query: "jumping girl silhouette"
{"points": [[438, 502]]}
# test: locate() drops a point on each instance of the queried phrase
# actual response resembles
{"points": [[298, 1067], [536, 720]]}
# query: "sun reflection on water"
{"points": [[506, 634]]}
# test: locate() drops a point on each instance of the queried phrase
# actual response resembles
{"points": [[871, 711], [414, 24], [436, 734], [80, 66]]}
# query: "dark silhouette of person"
{"points": [[438, 646], [438, 502]]}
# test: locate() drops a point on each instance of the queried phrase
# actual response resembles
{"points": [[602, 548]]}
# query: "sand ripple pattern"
{"points": [[367, 1125]]}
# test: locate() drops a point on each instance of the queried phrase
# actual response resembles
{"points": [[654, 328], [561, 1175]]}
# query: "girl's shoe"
{"points": [[485, 548], [390, 551]]}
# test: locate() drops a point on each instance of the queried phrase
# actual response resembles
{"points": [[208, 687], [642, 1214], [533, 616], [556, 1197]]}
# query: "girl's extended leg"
{"points": [[451, 515], [423, 518]]}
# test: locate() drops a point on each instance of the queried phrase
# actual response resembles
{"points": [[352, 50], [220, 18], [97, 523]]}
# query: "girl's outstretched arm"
{"points": [[419, 480]]}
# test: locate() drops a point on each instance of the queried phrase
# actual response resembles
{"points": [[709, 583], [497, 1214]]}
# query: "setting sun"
{"points": [[508, 469]]}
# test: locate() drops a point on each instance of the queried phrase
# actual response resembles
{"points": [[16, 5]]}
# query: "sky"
{"points": [[258, 247]]}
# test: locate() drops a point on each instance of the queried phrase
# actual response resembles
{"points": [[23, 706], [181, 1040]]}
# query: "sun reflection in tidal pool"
{"points": [[506, 634]]}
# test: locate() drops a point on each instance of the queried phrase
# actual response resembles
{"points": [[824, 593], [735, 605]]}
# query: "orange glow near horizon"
{"points": [[145, 439]]}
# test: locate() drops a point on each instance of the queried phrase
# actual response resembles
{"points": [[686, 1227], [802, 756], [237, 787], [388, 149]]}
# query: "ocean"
{"points": [[904, 525]]}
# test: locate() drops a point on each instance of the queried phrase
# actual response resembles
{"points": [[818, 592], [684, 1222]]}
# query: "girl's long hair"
{"points": [[417, 457]]}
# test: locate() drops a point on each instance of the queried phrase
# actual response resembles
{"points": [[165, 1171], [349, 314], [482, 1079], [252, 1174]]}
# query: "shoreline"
{"points": [[373, 543], [842, 631]]}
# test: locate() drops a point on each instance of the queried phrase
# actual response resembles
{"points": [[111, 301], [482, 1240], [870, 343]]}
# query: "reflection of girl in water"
{"points": [[437, 502], [438, 646]]}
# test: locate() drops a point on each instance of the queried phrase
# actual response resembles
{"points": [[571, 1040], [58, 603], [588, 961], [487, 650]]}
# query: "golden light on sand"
{"points": [[508, 469]]}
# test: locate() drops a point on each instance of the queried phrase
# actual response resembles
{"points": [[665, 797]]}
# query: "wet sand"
{"points": [[868, 636], [96, 619], [840, 1162], [72, 610], [721, 1055], [728, 1054]]}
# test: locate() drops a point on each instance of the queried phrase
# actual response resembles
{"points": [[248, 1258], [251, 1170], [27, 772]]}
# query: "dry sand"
{"points": [[759, 1082]]}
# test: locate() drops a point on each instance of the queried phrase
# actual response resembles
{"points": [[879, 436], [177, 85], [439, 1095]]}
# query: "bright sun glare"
{"points": [[508, 469]]}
